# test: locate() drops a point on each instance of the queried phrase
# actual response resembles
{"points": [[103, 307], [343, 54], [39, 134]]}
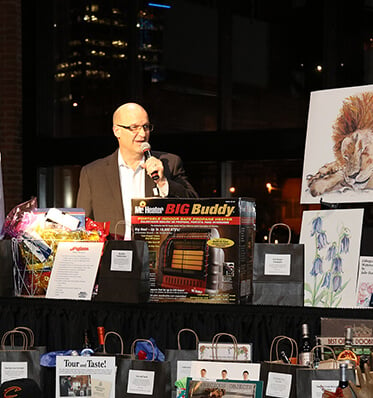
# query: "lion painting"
{"points": [[352, 134]]}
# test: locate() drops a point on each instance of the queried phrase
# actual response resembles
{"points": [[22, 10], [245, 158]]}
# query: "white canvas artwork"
{"points": [[338, 160], [331, 241]]}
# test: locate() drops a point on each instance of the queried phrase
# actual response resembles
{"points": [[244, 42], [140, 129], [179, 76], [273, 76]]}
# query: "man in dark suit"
{"points": [[108, 184]]}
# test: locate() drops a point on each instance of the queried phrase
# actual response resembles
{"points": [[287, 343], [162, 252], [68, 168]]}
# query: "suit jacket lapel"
{"points": [[112, 174]]}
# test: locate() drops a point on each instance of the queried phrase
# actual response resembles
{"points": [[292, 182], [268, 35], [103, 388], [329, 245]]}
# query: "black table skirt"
{"points": [[60, 324]]}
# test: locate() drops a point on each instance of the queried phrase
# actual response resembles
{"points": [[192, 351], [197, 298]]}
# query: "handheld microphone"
{"points": [[145, 147]]}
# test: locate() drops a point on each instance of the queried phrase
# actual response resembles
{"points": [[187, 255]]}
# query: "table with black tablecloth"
{"points": [[60, 324]]}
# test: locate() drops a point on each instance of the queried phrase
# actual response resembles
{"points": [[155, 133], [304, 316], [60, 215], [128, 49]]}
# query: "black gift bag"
{"points": [[158, 372], [31, 339], [119, 354], [305, 377], [114, 348], [181, 354], [278, 272], [130, 286], [277, 375], [6, 269], [277, 369], [326, 370], [46, 374], [10, 353]]}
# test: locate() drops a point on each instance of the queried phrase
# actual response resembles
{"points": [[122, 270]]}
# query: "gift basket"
{"points": [[35, 236]]}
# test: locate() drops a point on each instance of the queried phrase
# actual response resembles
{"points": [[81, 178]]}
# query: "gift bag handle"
{"points": [[279, 225], [186, 330], [30, 333], [10, 334], [293, 344], [277, 340], [215, 341], [120, 340], [324, 346], [217, 336], [134, 345], [327, 347], [120, 222]]}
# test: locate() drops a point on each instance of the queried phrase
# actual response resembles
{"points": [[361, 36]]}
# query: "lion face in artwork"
{"points": [[353, 168], [357, 159], [352, 133]]}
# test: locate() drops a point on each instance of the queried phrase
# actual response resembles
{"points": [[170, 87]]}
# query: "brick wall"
{"points": [[11, 100]]}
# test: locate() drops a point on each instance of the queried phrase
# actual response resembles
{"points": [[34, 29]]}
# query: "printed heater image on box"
{"points": [[187, 262]]}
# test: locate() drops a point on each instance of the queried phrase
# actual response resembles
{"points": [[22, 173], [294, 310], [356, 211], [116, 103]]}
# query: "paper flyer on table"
{"points": [[320, 386], [364, 289], [13, 370], [88, 376], [74, 270]]}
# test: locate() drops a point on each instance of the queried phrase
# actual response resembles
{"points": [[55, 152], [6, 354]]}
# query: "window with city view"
{"points": [[227, 86]]}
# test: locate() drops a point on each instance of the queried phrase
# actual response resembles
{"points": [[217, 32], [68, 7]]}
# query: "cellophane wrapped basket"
{"points": [[31, 269], [34, 245]]}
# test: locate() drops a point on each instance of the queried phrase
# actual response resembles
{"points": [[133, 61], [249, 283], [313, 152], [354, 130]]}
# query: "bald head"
{"points": [[128, 112]]}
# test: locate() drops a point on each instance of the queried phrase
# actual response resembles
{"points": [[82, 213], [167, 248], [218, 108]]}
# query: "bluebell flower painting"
{"points": [[316, 226], [317, 266], [332, 251], [326, 280], [337, 282], [337, 264], [322, 240], [345, 243], [332, 248]]}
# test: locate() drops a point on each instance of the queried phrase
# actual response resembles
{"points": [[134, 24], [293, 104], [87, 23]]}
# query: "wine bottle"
{"points": [[86, 342], [317, 357], [87, 348], [348, 355], [343, 382], [305, 347]]}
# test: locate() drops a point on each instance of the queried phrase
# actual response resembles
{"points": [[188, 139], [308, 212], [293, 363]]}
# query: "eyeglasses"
{"points": [[134, 128]]}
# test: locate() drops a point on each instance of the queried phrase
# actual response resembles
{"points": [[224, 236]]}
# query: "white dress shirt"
{"points": [[132, 184]]}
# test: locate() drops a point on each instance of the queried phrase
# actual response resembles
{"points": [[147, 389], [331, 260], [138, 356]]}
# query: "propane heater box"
{"points": [[200, 250]]}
